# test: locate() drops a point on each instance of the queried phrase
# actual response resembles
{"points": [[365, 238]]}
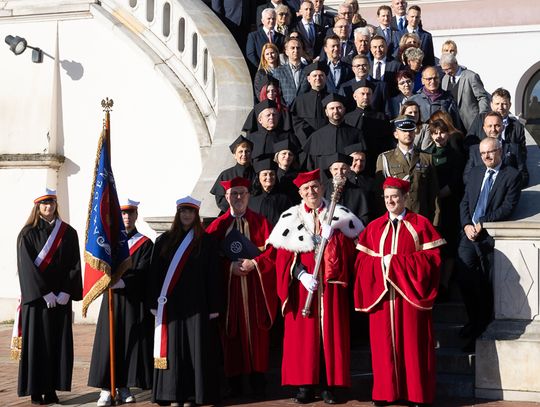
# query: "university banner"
{"points": [[106, 252]]}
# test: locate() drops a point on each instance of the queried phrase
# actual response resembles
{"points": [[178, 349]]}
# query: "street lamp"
{"points": [[18, 45]]}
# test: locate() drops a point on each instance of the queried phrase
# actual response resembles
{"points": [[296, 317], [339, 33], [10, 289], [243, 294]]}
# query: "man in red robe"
{"points": [[316, 349], [397, 275], [251, 299]]}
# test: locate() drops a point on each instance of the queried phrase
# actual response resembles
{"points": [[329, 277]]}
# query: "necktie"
{"points": [[395, 222], [311, 32], [317, 18], [343, 46], [400, 24], [387, 35], [408, 157], [378, 71], [270, 36], [481, 205]]}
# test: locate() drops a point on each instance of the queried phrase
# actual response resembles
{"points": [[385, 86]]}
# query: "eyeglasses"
{"points": [[360, 66], [431, 78], [238, 194], [407, 82], [485, 153]]}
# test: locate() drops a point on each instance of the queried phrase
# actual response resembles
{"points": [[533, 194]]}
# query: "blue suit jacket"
{"points": [[393, 44], [255, 43], [503, 197]]}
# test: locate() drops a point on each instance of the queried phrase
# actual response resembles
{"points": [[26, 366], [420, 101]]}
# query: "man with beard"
{"points": [[332, 138]]}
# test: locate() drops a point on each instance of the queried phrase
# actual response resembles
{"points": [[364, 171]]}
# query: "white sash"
{"points": [[48, 244]]}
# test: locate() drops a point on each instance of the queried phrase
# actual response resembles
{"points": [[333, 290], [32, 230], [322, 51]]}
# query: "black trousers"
{"points": [[474, 271]]}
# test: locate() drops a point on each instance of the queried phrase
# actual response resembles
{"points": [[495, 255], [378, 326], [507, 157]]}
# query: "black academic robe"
{"points": [[286, 185], [377, 132], [193, 339], [245, 171], [46, 361], [308, 114], [134, 325], [270, 204], [353, 198], [328, 140], [264, 140]]}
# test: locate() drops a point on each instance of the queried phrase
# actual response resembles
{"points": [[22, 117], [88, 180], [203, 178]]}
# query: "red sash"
{"points": [[46, 254], [173, 274], [136, 241]]}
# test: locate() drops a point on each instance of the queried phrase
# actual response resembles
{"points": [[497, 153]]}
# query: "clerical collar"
{"points": [[398, 217], [319, 209]]}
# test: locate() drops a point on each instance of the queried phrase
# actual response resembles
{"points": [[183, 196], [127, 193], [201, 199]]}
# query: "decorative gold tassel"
{"points": [[160, 363], [16, 347]]}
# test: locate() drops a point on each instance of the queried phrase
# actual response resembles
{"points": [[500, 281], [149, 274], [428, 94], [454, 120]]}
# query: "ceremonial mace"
{"points": [[338, 183]]}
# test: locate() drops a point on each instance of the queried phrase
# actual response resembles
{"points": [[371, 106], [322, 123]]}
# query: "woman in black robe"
{"points": [[134, 323], [187, 373], [48, 286], [266, 198], [286, 158]]}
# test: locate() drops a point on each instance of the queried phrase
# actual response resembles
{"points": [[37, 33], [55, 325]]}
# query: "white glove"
{"points": [[50, 300], [153, 312], [327, 231], [308, 281], [119, 284], [386, 260], [62, 298], [213, 315]]}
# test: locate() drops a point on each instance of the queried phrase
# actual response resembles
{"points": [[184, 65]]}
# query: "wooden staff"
{"points": [[107, 105], [338, 183]]}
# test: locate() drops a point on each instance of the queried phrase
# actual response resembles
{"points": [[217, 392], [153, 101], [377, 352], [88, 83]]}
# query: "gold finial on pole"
{"points": [[107, 104]]}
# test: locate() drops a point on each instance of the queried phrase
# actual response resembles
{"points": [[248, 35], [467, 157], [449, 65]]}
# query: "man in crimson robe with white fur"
{"points": [[397, 275], [316, 349]]}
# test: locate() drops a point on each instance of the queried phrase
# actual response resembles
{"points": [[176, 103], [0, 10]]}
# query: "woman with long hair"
{"points": [[185, 297], [49, 268], [456, 136], [269, 62]]}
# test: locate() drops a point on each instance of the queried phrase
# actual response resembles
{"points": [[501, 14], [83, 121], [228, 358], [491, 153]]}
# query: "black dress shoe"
{"points": [[380, 403], [328, 397], [411, 404], [36, 399], [305, 395], [50, 398]]}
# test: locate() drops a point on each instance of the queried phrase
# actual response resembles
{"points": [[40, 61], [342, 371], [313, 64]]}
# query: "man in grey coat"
{"points": [[466, 87]]}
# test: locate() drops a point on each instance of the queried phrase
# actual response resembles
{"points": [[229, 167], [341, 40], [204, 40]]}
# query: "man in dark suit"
{"points": [[338, 71], [321, 16], [345, 11], [311, 33], [271, 4], [264, 34], [399, 9], [341, 29], [414, 18], [291, 76], [385, 30], [466, 87], [491, 195], [383, 67], [513, 131]]}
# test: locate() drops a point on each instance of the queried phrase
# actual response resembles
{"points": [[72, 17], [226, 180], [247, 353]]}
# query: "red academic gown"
{"points": [[328, 324], [399, 301], [251, 301]]}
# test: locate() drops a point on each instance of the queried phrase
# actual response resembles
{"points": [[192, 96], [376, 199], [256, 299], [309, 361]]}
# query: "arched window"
{"points": [[194, 48], [150, 10], [181, 35], [166, 19], [205, 66], [132, 3], [531, 99]]}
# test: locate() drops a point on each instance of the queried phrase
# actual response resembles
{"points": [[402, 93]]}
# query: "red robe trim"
{"points": [[251, 301], [399, 299]]}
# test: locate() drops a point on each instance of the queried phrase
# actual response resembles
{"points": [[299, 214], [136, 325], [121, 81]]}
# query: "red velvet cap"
{"points": [[401, 184], [235, 182], [304, 177]]}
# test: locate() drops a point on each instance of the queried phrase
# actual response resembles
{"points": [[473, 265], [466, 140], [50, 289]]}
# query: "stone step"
{"points": [[452, 312], [448, 385], [447, 335]]}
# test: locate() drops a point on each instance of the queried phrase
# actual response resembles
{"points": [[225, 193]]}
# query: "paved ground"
{"points": [[81, 395]]}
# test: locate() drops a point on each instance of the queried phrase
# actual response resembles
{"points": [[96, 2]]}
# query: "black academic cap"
{"points": [[239, 140], [354, 148], [405, 123], [362, 83], [336, 158], [264, 164], [333, 97], [286, 144], [316, 66], [265, 104]]}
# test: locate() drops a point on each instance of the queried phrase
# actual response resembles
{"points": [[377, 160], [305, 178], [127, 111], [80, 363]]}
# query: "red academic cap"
{"points": [[235, 182], [401, 184], [304, 177]]}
